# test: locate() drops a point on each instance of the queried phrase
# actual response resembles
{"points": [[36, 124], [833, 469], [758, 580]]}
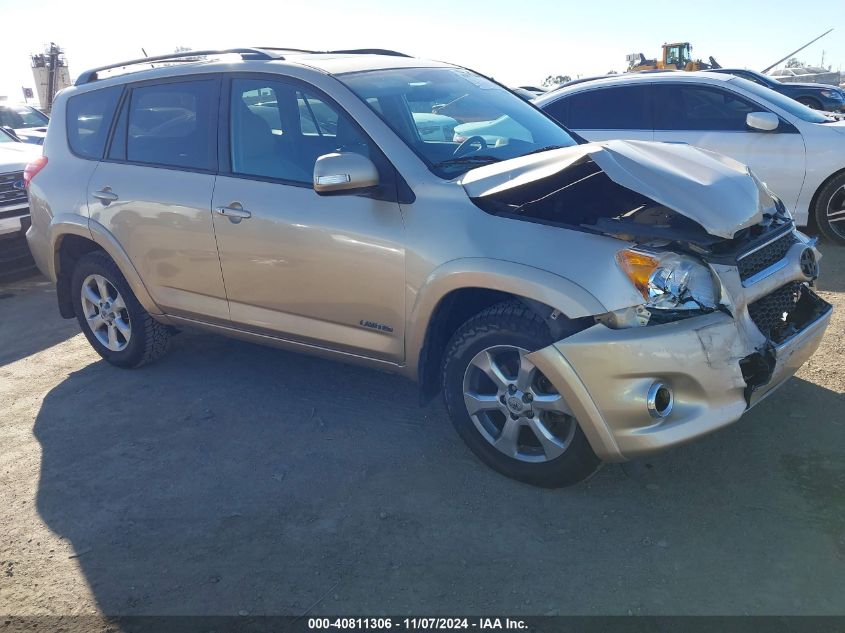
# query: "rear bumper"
{"points": [[605, 376]]}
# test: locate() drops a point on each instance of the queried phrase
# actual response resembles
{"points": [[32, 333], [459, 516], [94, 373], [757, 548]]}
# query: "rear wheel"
{"points": [[830, 210], [505, 408], [112, 319]]}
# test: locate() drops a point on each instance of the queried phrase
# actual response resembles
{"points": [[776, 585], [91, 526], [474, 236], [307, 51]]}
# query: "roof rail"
{"points": [[350, 51], [370, 51], [284, 48], [247, 53]]}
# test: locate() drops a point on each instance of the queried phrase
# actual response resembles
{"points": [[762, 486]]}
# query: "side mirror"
{"points": [[762, 121], [344, 172]]}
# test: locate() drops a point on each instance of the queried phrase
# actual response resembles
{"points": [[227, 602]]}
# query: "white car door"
{"points": [[714, 118], [612, 112]]}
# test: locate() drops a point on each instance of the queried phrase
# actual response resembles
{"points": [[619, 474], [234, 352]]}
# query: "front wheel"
{"points": [[830, 210], [112, 319], [505, 409]]}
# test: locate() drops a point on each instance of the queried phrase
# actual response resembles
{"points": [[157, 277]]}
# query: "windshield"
{"points": [[454, 119], [783, 102], [17, 117]]}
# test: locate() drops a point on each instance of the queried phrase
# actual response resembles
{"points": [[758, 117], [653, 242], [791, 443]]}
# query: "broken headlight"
{"points": [[669, 281]]}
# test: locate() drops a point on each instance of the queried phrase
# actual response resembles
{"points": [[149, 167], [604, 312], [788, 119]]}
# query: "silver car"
{"points": [[575, 303]]}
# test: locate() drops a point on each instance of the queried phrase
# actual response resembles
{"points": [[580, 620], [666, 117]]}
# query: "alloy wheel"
{"points": [[105, 312], [836, 212], [515, 407]]}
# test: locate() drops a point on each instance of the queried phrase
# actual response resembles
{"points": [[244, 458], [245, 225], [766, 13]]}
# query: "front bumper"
{"points": [[605, 375], [14, 220]]}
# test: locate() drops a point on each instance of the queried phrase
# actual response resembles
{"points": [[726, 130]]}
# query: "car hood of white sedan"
{"points": [[715, 191]]}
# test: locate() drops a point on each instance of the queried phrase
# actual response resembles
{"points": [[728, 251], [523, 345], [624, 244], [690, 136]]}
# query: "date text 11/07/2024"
{"points": [[435, 624]]}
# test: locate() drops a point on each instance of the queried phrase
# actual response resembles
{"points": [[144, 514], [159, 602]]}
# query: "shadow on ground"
{"points": [[230, 478], [28, 323]]}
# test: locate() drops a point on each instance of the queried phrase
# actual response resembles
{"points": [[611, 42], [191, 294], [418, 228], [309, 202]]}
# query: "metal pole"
{"points": [[51, 75], [795, 52]]}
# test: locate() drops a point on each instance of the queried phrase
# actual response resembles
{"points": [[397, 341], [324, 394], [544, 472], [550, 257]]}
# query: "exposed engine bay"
{"points": [[584, 197]]}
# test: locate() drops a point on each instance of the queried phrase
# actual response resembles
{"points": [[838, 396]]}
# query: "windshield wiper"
{"points": [[473, 159], [542, 149]]}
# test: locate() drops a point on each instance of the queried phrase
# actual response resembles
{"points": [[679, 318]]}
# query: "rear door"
{"points": [[322, 270], [600, 114], [153, 193], [713, 117]]}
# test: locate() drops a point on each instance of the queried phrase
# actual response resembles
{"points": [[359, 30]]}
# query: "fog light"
{"points": [[660, 400]]}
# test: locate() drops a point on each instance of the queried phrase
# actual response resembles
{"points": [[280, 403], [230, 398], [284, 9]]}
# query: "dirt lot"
{"points": [[230, 478]]}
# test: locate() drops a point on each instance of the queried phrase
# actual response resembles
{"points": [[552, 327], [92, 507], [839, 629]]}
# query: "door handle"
{"points": [[234, 211], [105, 195]]}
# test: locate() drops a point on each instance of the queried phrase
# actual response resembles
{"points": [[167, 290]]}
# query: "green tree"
{"points": [[556, 80], [794, 62]]}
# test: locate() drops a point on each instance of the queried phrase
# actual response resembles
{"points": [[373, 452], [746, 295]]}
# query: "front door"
{"points": [[327, 271]]}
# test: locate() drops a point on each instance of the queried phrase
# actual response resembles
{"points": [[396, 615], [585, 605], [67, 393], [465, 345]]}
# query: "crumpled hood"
{"points": [[715, 191]]}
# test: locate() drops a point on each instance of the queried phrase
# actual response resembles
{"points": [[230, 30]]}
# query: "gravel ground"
{"points": [[230, 478]]}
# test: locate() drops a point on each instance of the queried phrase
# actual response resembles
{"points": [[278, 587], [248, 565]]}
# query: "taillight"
{"points": [[32, 169]]}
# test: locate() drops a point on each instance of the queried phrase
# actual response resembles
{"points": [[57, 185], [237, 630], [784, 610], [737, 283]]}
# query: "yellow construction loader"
{"points": [[676, 56]]}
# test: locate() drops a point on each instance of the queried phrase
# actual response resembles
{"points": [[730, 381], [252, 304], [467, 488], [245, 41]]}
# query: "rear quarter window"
{"points": [[89, 117]]}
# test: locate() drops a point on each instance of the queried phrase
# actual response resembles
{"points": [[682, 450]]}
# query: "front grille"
{"points": [[9, 194], [756, 261], [771, 314]]}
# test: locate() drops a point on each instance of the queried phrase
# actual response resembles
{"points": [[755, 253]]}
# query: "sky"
{"points": [[518, 42]]}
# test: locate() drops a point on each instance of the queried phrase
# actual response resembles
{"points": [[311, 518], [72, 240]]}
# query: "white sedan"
{"points": [[798, 152]]}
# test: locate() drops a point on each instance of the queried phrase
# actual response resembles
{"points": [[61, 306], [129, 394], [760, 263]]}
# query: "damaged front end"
{"points": [[700, 236]]}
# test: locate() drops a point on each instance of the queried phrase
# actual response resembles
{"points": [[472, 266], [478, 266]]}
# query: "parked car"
{"points": [[28, 124], [597, 301], [14, 208], [812, 95], [797, 151], [529, 92], [807, 73]]}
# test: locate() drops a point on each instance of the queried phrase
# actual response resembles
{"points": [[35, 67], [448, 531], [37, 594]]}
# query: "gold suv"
{"points": [[575, 302]]}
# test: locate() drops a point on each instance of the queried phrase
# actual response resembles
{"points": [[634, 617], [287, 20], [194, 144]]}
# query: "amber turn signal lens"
{"points": [[639, 267]]}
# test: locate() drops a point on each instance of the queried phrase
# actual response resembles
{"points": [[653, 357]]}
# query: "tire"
{"points": [[810, 103], [831, 200], [138, 338], [501, 335]]}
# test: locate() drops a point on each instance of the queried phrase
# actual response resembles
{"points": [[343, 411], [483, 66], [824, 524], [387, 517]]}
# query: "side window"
{"points": [[89, 117], [315, 117], [173, 124], [616, 108], [752, 77], [283, 136], [691, 107], [265, 103], [558, 110]]}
